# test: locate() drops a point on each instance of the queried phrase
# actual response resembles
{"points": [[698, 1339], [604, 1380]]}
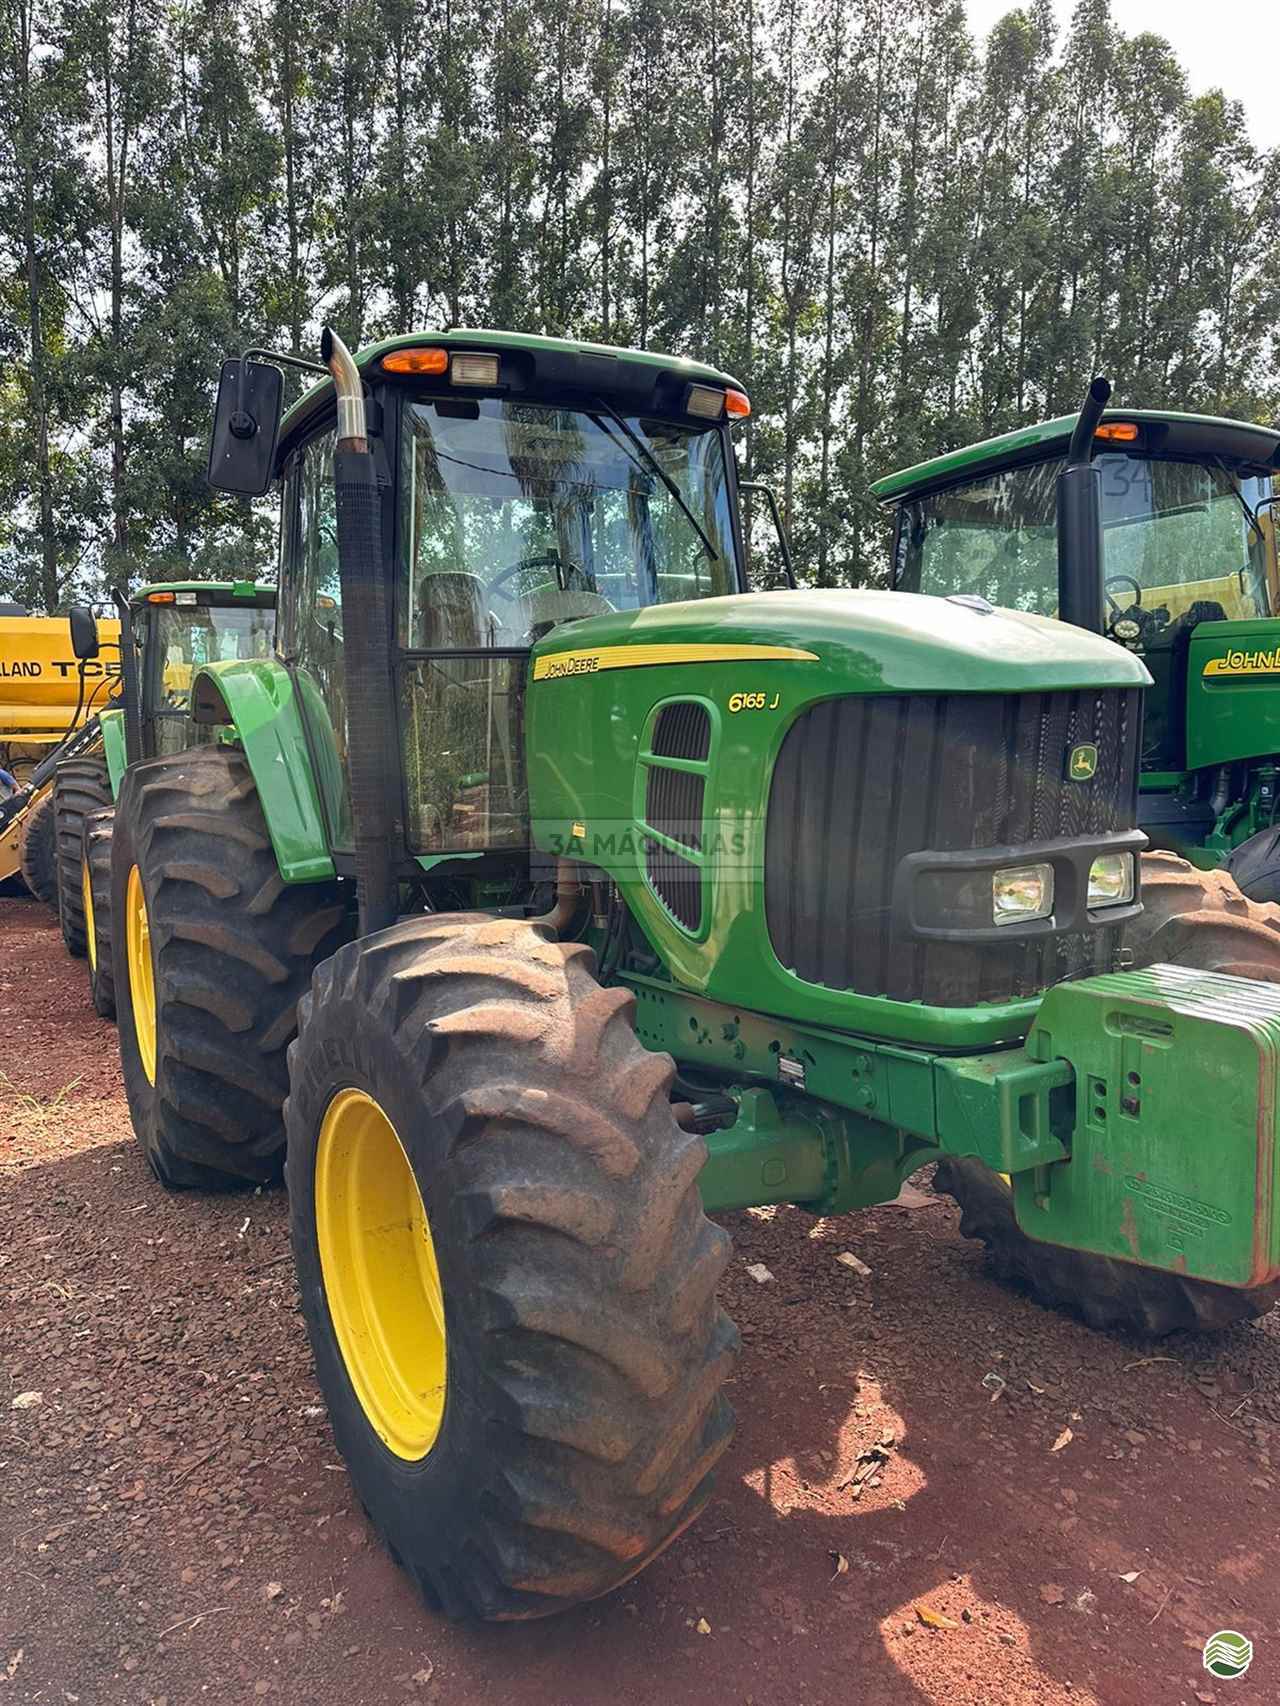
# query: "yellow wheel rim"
{"points": [[380, 1275], [86, 895], [142, 978]]}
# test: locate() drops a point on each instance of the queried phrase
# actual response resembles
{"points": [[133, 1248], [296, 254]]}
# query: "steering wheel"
{"points": [[1122, 580], [545, 560]]}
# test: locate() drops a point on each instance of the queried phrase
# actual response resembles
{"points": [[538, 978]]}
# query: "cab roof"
{"points": [[212, 592], [556, 361], [1162, 433]]}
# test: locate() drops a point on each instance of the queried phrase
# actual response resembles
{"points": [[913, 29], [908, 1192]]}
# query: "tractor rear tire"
{"points": [[39, 855], [95, 877], [81, 786], [1254, 866], [1190, 918], [566, 1428], [213, 951], [1103, 1292]]}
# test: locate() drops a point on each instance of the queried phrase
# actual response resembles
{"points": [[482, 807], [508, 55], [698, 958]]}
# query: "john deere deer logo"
{"points": [[1082, 763]]}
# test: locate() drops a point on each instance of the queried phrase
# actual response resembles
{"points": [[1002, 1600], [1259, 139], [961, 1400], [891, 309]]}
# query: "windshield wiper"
{"points": [[647, 456]]}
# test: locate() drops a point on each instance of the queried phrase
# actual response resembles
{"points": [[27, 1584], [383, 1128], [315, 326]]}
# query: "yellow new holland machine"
{"points": [[46, 693]]}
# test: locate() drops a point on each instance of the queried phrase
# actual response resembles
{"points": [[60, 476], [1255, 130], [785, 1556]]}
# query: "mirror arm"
{"points": [[242, 423], [771, 498]]}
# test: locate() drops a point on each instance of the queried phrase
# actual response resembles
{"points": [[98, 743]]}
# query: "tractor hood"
{"points": [[861, 642]]}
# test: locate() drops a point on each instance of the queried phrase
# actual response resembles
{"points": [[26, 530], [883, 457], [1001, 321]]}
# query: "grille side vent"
{"points": [[682, 730], [674, 807]]}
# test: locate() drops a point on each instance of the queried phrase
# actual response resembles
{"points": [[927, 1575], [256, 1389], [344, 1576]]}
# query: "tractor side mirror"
{"points": [[84, 633], [246, 425]]}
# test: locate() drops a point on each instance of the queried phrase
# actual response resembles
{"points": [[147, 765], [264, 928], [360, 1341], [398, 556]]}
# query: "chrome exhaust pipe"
{"points": [[352, 425]]}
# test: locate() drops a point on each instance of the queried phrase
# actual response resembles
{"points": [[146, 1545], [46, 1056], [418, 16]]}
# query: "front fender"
{"points": [[111, 727], [257, 699]]}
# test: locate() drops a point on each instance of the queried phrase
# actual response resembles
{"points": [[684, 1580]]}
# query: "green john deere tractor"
{"points": [[173, 627], [1188, 581], [550, 890]]}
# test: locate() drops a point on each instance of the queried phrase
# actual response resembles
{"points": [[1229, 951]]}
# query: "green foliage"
{"points": [[899, 238]]}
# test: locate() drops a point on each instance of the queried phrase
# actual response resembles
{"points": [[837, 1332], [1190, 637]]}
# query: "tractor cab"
{"points": [[1187, 539], [524, 484], [179, 626]]}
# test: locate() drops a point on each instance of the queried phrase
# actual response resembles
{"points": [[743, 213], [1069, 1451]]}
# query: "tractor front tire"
{"points": [[213, 951], [1202, 919], [95, 888], [81, 786], [39, 855], [1254, 866], [508, 1280], [1103, 1292], [1189, 918]]}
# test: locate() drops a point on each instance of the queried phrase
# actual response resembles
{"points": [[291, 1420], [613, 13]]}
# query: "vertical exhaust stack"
{"points": [[130, 684], [366, 629], [1080, 541]]}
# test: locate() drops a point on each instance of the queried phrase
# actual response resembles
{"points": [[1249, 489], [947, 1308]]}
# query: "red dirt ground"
{"points": [[175, 1526]]}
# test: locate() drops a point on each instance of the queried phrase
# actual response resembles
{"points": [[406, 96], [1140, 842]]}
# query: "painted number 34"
{"points": [[753, 702]]}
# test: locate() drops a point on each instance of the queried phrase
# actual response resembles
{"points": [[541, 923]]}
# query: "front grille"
{"points": [[862, 781]]}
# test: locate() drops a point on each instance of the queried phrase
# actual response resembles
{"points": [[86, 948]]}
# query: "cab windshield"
{"points": [[1178, 542], [182, 638], [518, 517]]}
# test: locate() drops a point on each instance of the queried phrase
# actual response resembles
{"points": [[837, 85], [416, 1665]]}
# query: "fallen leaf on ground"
{"points": [[935, 1619], [1064, 1438], [273, 1590], [422, 1677], [759, 1273], [910, 1197], [842, 1564], [849, 1260], [27, 1400], [1052, 1594], [702, 1626], [1130, 1576]]}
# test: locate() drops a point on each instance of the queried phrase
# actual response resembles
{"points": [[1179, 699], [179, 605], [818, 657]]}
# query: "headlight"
{"points": [[1022, 892], [1111, 880]]}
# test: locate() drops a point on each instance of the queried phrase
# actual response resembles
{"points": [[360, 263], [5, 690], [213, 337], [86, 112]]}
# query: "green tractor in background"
{"points": [[168, 630], [1188, 581], [549, 890]]}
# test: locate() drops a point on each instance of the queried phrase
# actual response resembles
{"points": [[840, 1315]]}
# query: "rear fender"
{"points": [[255, 702]]}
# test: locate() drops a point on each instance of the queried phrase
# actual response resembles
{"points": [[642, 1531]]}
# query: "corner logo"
{"points": [[1228, 1653], [1082, 763]]}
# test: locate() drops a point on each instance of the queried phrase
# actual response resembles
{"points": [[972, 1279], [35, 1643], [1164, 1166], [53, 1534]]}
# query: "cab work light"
{"points": [[1020, 893], [704, 401], [473, 370], [186, 598]]}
